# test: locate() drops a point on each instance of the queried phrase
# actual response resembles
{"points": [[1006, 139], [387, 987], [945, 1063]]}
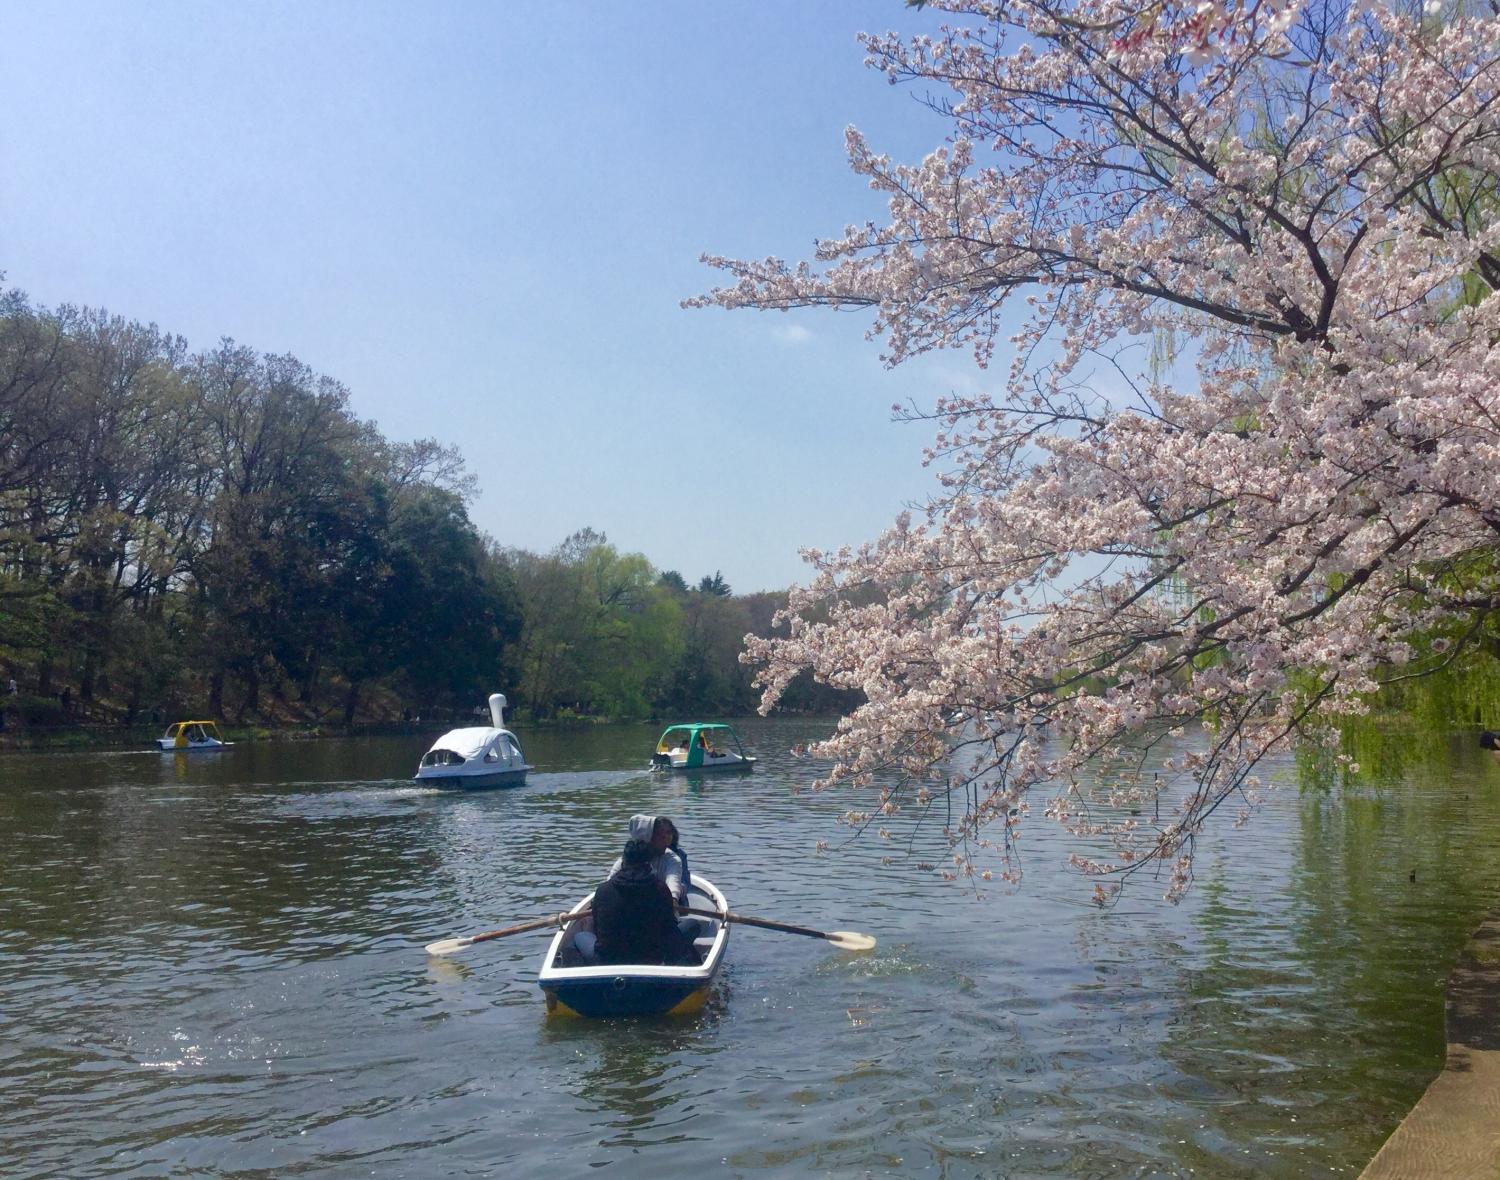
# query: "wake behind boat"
{"points": [[476, 757], [576, 985]]}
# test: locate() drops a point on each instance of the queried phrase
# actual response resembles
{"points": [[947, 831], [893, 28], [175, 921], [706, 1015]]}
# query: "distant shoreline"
{"points": [[18, 739]]}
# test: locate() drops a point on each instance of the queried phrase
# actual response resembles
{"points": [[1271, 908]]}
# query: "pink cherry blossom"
{"points": [[1292, 205]]}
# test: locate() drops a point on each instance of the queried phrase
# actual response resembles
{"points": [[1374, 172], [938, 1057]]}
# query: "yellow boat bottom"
{"points": [[687, 1006]]}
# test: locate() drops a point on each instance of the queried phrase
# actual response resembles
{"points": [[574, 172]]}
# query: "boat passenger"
{"points": [[658, 831], [634, 919], [668, 862], [675, 845], [692, 928]]}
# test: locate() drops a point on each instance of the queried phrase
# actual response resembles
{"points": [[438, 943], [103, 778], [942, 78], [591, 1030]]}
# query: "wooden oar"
{"points": [[845, 940], [451, 946]]}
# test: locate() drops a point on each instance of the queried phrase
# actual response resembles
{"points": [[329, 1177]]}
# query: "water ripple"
{"points": [[214, 968]]}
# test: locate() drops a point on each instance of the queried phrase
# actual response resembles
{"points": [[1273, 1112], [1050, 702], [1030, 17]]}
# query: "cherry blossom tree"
{"points": [[1298, 200]]}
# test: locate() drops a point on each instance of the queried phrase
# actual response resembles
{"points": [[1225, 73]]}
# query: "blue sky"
{"points": [[481, 217]]}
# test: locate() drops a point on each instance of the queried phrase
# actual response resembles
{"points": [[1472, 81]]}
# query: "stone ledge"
{"points": [[1453, 1132]]}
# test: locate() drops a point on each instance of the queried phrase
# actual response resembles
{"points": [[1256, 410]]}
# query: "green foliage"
{"points": [[601, 630], [34, 710], [218, 533], [184, 531], [1411, 721], [714, 584]]}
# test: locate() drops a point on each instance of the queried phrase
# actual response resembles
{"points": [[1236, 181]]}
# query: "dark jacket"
{"points": [[635, 922]]}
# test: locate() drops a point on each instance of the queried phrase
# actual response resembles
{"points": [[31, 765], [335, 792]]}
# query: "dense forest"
{"points": [[218, 533]]}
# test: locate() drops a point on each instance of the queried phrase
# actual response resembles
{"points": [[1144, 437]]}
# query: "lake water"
{"points": [[211, 965]]}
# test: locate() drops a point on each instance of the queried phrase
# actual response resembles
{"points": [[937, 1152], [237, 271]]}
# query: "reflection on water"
{"points": [[638, 1076], [212, 965]]}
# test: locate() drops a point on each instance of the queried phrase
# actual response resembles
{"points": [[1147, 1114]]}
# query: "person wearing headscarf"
{"points": [[668, 862], [660, 833]]}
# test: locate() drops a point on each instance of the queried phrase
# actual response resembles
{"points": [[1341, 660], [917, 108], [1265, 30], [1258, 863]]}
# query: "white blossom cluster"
{"points": [[1302, 198]]}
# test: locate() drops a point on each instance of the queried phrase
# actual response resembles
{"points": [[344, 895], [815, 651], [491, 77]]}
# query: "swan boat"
{"points": [[584, 988], [475, 757], [700, 745], [191, 735]]}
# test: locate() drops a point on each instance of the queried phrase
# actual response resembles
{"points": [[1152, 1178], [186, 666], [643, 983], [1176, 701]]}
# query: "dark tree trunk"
{"points": [[308, 689], [251, 703]]}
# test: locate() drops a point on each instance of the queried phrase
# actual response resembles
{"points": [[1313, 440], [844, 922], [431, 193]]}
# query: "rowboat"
{"points": [[191, 735], [475, 757], [700, 745], [574, 986]]}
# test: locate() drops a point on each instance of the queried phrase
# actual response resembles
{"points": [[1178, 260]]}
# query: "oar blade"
{"points": [[448, 946], [850, 940]]}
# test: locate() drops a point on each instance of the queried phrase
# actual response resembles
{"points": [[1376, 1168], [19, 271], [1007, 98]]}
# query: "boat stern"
{"points": [[626, 995]]}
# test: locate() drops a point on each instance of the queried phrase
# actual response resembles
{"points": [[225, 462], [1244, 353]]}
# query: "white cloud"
{"points": [[791, 333]]}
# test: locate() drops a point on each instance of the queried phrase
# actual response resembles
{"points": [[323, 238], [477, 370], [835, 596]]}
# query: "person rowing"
{"points": [[635, 920]]}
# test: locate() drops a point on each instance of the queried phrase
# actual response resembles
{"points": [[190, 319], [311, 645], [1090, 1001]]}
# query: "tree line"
{"points": [[217, 531]]}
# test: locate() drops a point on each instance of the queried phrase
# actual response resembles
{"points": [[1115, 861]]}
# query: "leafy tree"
{"points": [[673, 581], [709, 677], [93, 442], [448, 603], [600, 632], [714, 584], [283, 447]]}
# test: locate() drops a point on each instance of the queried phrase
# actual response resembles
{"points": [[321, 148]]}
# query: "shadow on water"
{"points": [[704, 781]]}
